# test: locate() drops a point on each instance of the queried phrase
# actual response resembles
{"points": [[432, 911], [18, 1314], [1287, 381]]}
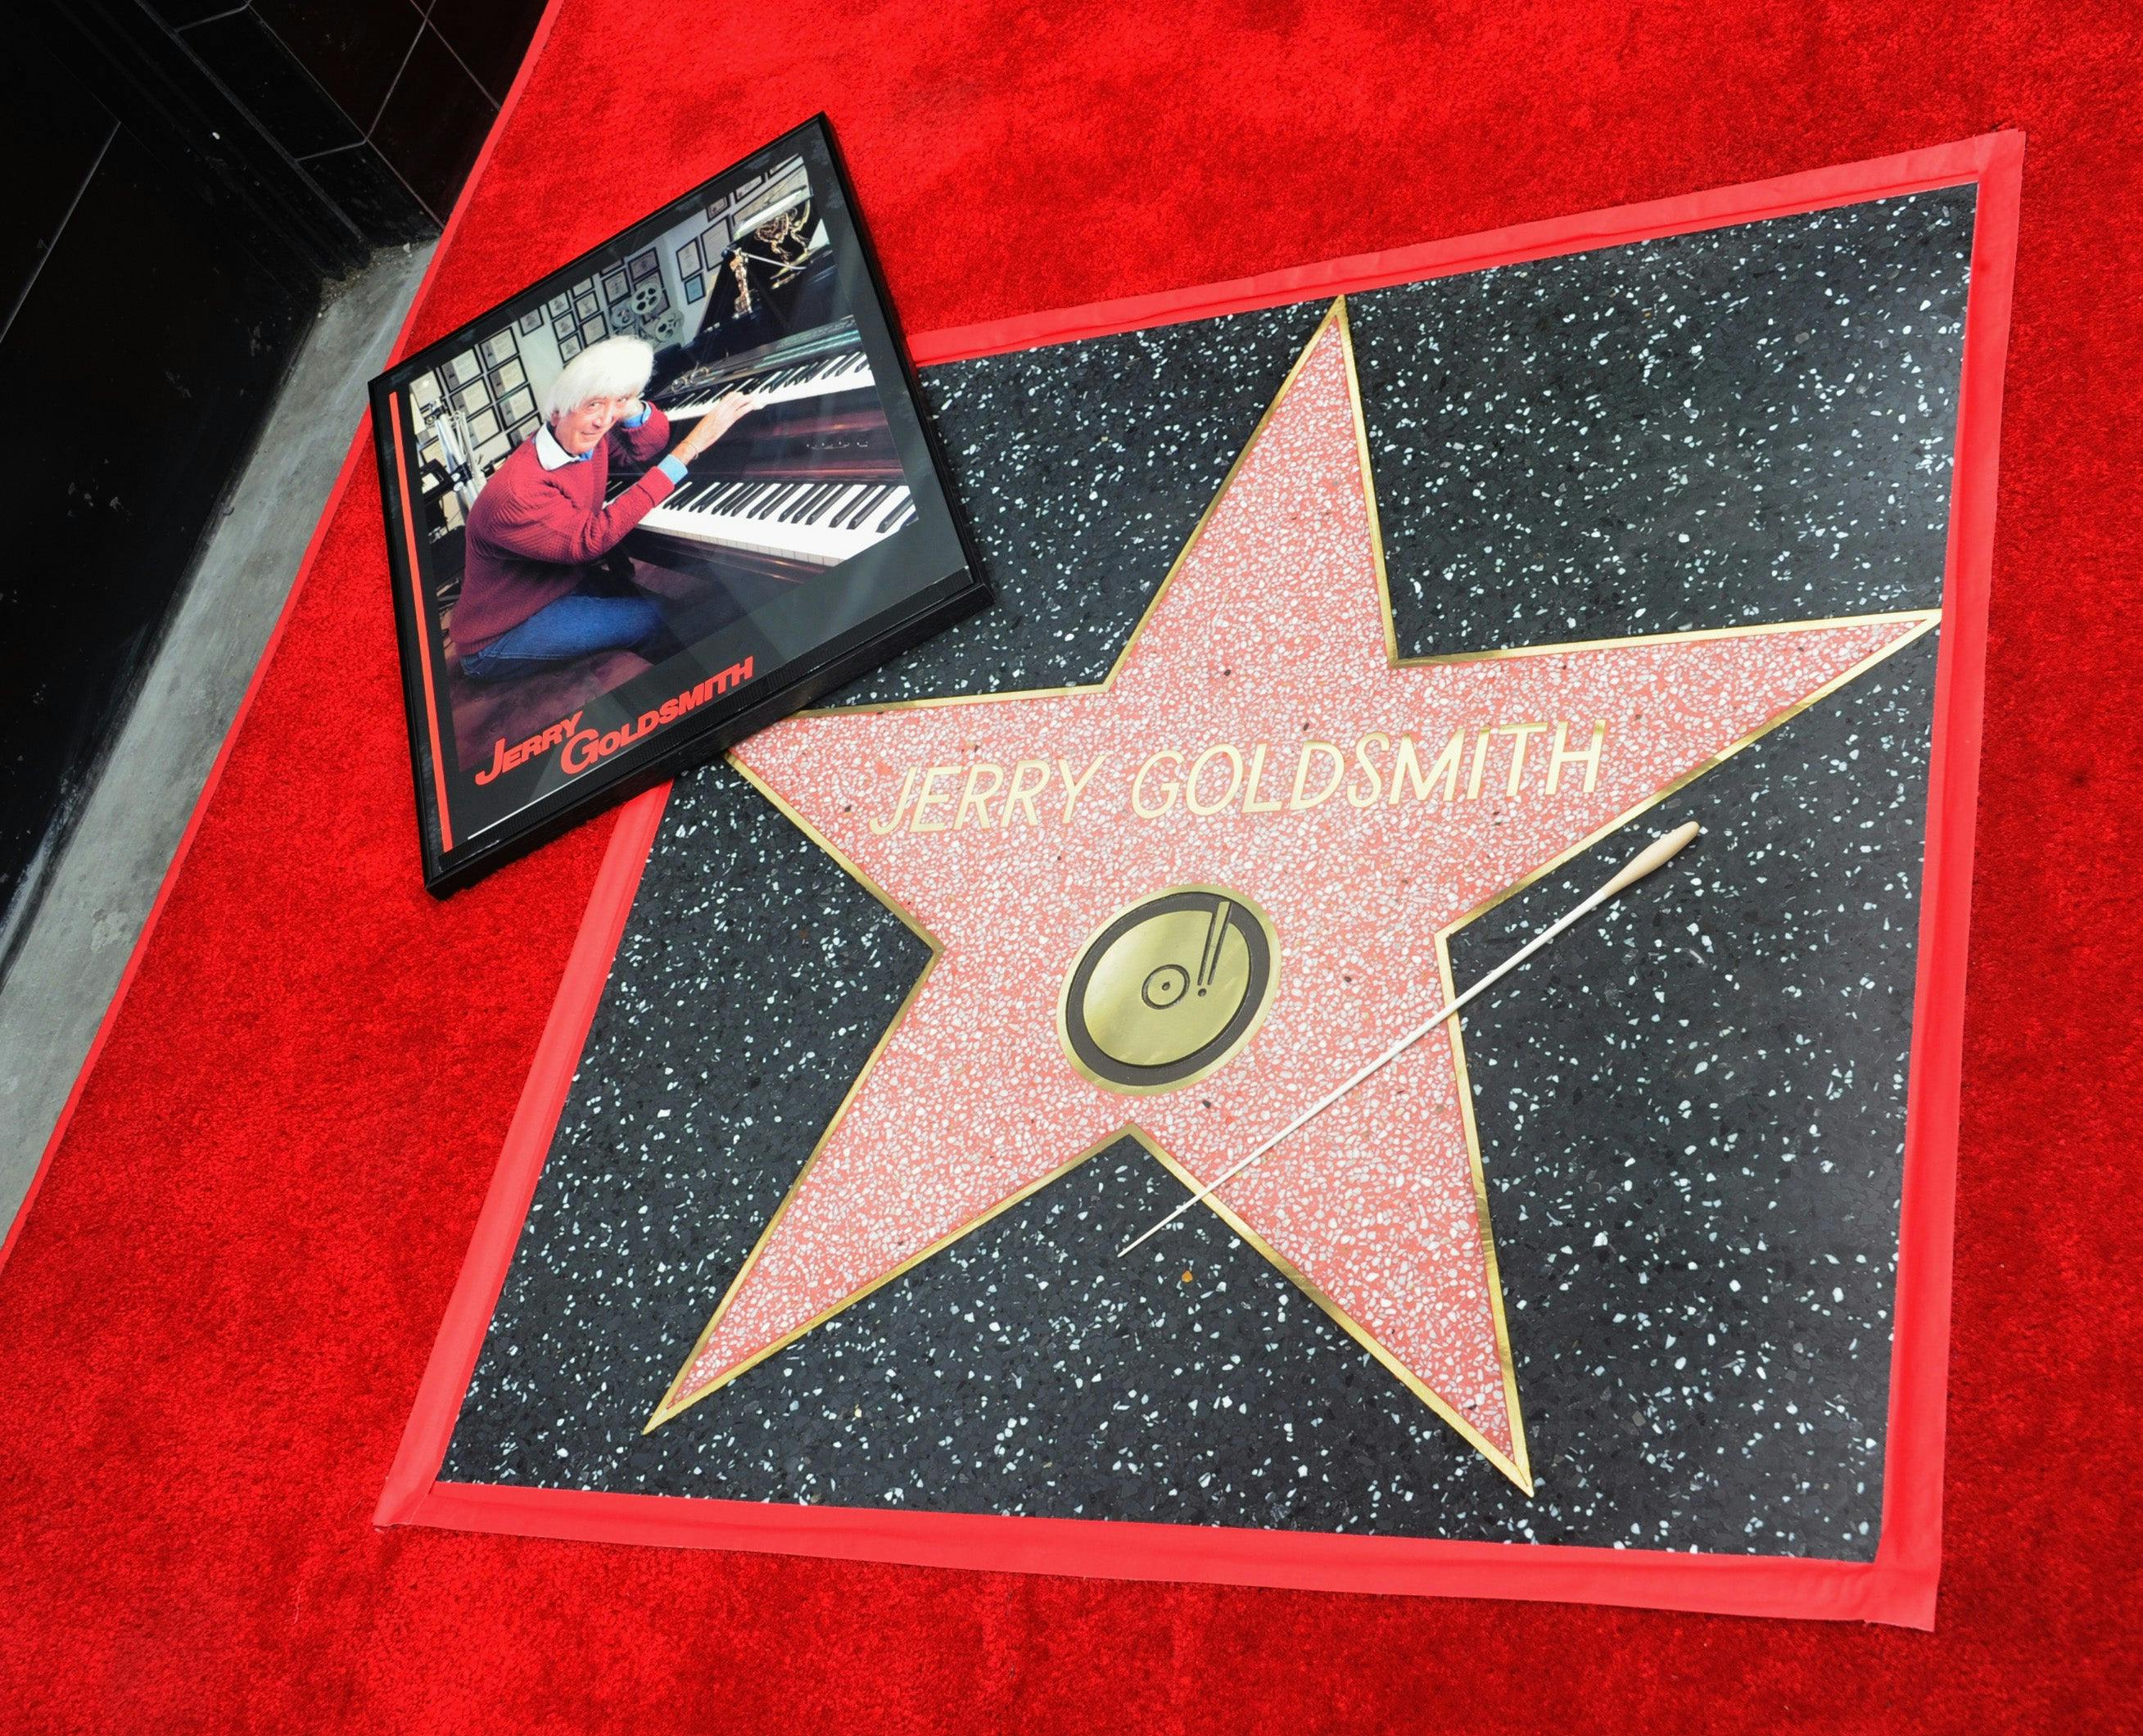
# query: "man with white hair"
{"points": [[535, 532]]}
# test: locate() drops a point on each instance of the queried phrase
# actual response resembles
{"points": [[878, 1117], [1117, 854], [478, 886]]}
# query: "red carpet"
{"points": [[216, 1312]]}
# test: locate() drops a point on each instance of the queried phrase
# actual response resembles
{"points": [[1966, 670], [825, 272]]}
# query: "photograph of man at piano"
{"points": [[533, 594], [686, 433]]}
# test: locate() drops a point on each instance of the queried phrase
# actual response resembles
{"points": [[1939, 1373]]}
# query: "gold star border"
{"points": [[1517, 1464]]}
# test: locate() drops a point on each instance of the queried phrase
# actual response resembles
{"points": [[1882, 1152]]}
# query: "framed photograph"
{"points": [[633, 554]]}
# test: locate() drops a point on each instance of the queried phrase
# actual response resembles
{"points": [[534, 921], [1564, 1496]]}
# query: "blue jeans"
{"points": [[573, 626]]}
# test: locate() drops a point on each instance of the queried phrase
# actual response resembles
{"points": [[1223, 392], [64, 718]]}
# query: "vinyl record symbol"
{"points": [[1169, 990]]}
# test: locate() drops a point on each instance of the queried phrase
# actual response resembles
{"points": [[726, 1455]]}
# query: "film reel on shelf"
{"points": [[648, 313]]}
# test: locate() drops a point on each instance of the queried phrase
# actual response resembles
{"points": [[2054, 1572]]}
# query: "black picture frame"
{"points": [[496, 773]]}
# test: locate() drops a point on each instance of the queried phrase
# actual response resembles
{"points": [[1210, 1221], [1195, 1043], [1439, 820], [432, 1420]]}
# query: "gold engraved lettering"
{"points": [[978, 800], [1138, 786], [1298, 801], [1251, 804], [1198, 765], [1523, 732], [928, 795], [880, 828], [1559, 757], [1407, 764], [1023, 792], [1074, 787], [1355, 798], [1480, 764]]}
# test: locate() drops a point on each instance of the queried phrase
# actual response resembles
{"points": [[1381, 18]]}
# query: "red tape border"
{"points": [[1898, 1586]]}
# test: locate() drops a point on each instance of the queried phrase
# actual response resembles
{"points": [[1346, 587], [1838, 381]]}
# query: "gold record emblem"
{"points": [[1169, 990]]}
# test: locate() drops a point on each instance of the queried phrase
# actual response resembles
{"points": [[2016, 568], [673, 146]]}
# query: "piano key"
{"points": [[792, 497], [806, 492], [846, 373], [753, 521], [830, 512], [842, 513], [883, 527], [852, 515], [802, 503], [777, 508], [719, 498], [802, 511], [773, 498]]}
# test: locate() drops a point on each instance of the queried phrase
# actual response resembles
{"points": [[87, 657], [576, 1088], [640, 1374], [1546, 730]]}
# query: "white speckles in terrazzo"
{"points": [[1269, 634], [1695, 1382]]}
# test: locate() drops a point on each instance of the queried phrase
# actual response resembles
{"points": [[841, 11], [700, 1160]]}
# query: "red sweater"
{"points": [[532, 531]]}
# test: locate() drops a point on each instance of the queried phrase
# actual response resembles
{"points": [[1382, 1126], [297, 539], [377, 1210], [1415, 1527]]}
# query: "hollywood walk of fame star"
{"points": [[1258, 738]]}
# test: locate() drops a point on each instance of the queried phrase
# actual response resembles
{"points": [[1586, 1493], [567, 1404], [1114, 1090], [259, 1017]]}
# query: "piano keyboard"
{"points": [[820, 522], [846, 372]]}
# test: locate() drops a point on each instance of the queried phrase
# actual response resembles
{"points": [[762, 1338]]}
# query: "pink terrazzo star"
{"points": [[1009, 830]]}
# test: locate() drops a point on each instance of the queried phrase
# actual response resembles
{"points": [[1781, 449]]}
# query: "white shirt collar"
{"points": [[552, 456]]}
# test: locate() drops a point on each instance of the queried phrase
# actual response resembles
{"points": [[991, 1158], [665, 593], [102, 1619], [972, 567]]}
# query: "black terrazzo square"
{"points": [[1691, 1112]]}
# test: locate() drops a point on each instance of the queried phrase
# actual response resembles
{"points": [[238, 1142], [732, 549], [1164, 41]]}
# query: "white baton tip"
{"points": [[1655, 854]]}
